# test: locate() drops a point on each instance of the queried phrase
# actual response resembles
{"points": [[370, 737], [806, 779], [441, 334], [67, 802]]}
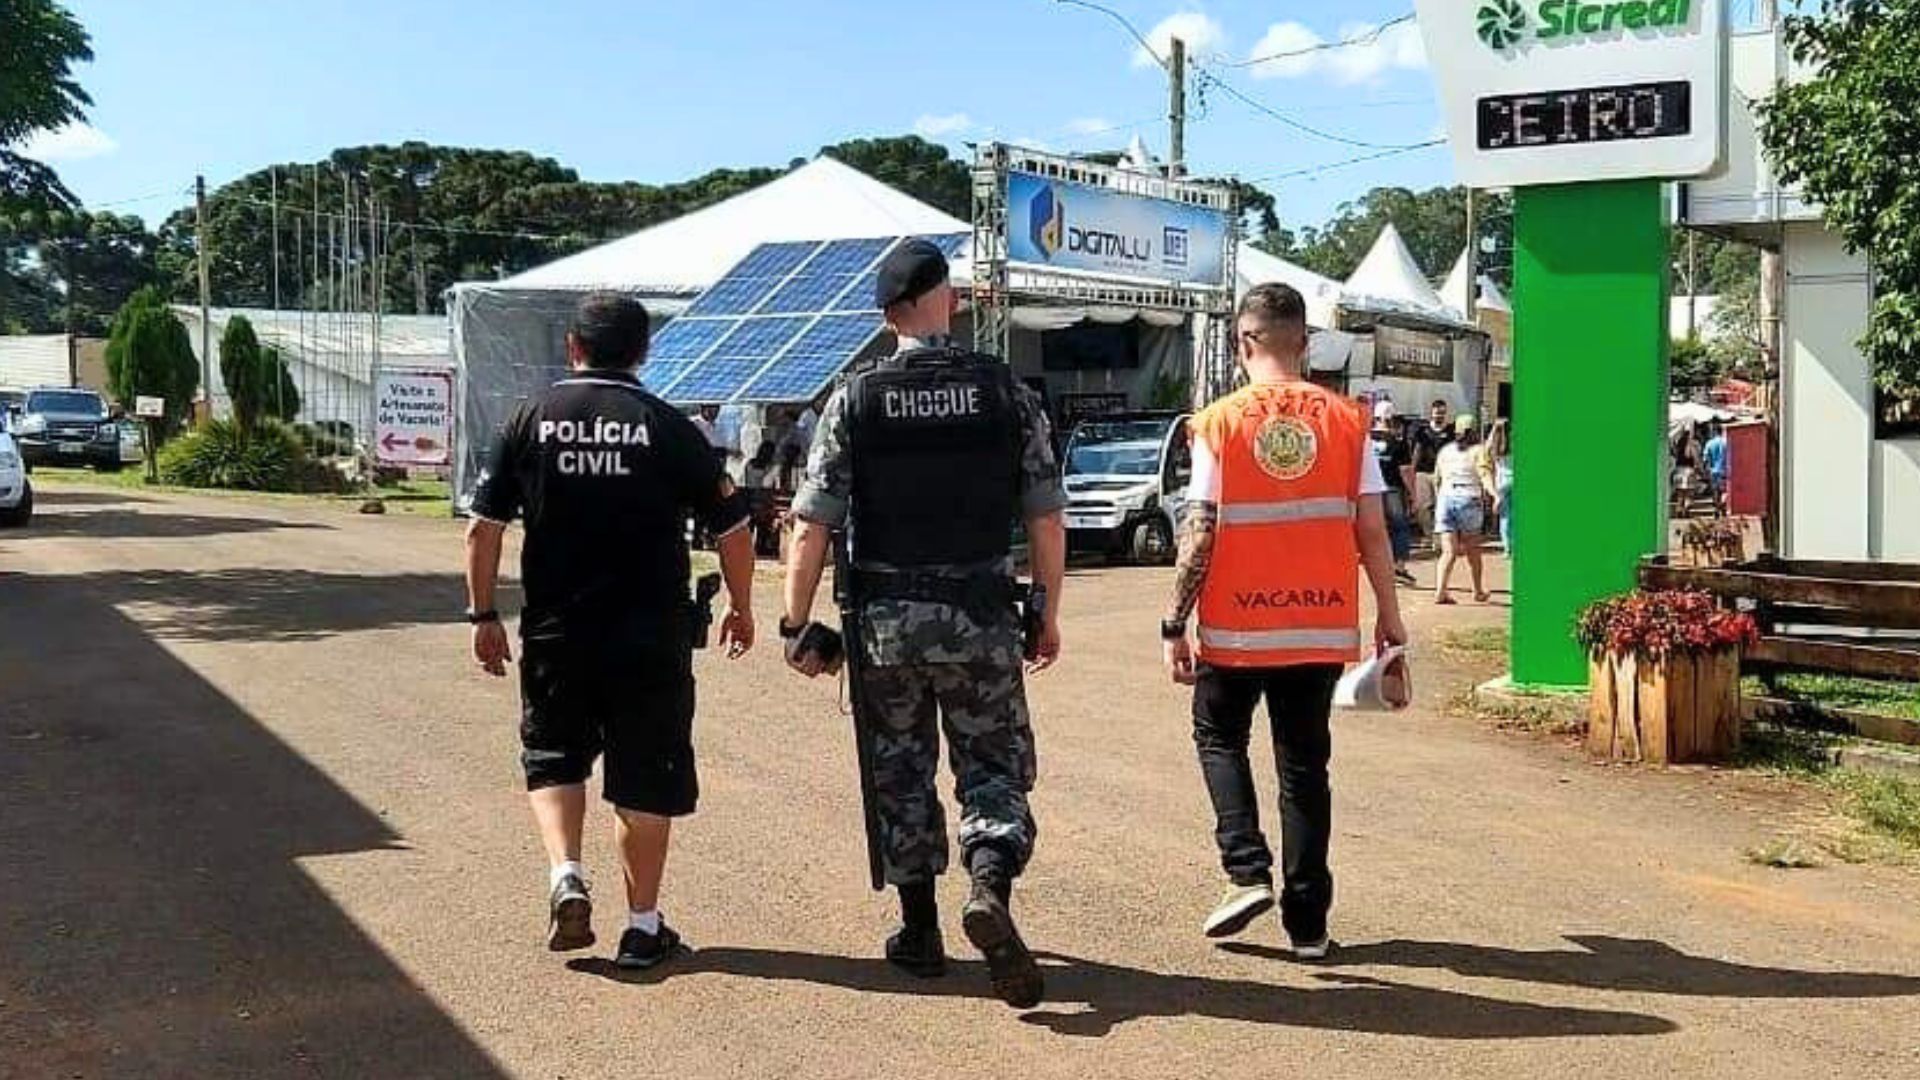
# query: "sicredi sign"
{"points": [[1561, 91]]}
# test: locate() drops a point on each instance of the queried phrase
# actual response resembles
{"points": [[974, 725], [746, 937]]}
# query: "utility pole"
{"points": [[1693, 283], [203, 251], [1177, 111]]}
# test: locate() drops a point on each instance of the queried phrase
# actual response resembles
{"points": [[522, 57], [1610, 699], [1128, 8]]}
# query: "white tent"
{"points": [[1454, 292], [1388, 280], [821, 200], [1323, 294]]}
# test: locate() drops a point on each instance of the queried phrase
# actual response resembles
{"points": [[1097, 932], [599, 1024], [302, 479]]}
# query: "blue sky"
{"points": [[656, 91]]}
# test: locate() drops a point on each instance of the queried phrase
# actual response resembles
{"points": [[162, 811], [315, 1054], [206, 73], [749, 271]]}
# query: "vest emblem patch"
{"points": [[1286, 447]]}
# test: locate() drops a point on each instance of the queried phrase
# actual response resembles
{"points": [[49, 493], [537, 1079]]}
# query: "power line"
{"points": [[1316, 170], [1207, 78], [1125, 23], [1369, 38]]}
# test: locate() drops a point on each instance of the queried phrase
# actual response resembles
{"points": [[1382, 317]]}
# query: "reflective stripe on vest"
{"points": [[1274, 513], [1278, 640]]}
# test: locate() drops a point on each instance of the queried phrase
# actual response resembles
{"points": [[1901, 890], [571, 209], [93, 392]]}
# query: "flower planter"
{"points": [[1675, 708]]}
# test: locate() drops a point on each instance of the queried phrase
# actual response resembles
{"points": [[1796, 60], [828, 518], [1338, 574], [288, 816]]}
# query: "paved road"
{"points": [[259, 818]]}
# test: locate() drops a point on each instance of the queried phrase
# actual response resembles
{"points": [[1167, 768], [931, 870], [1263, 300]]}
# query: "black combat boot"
{"points": [[989, 925], [917, 948]]}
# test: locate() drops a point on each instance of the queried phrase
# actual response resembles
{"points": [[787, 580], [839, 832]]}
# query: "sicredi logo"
{"points": [[1504, 24], [1049, 220]]}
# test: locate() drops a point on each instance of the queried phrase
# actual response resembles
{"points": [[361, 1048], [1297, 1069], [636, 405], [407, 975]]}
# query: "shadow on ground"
{"points": [[135, 525], [154, 922], [279, 605], [1109, 995], [1605, 963], [47, 499]]}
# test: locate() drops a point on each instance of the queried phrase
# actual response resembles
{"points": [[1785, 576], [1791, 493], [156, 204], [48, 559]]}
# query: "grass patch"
{"points": [[1887, 805], [1783, 853], [1794, 752], [1885, 697], [1514, 716], [1475, 640], [426, 497]]}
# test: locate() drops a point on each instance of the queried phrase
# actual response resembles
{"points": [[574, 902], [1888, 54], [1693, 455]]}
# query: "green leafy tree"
{"points": [[1695, 365], [920, 168], [82, 265], [40, 42], [1848, 137], [1433, 223], [148, 354], [255, 376]]}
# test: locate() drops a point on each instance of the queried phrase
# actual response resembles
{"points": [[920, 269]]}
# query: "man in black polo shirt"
{"points": [[604, 475]]}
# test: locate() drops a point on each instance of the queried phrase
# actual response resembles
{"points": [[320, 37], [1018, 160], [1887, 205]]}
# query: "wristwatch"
{"points": [[1173, 629], [487, 616], [788, 633]]}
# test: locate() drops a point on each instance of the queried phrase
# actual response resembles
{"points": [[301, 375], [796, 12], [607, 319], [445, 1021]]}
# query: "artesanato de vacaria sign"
{"points": [[1506, 24]]}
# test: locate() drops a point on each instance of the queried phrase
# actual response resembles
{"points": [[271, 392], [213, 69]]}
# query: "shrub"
{"points": [[1662, 622], [219, 454]]}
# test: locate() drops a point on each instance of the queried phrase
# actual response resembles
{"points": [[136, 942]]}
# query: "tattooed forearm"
{"points": [[1197, 528]]}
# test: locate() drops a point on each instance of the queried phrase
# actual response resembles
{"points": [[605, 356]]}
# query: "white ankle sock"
{"points": [[647, 922], [560, 870]]}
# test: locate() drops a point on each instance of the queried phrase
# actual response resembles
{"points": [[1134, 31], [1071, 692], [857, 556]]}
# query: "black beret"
{"points": [[909, 272]]}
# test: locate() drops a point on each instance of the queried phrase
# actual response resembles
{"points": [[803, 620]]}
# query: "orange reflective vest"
{"points": [[1283, 584]]}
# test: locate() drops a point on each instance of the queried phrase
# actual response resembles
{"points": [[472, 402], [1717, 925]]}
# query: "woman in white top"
{"points": [[1459, 512]]}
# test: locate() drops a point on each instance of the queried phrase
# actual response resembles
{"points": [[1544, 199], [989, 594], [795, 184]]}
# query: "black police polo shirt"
{"points": [[604, 475]]}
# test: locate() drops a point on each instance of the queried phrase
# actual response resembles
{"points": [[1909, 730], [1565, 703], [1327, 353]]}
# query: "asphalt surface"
{"points": [[260, 817]]}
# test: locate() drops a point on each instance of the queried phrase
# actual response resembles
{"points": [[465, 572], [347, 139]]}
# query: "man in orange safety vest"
{"points": [[1284, 510]]}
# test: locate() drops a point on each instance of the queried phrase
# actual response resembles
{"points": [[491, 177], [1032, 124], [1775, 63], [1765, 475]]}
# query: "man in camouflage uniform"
{"points": [[929, 458]]}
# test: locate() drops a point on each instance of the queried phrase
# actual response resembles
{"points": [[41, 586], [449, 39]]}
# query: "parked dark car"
{"points": [[65, 426]]}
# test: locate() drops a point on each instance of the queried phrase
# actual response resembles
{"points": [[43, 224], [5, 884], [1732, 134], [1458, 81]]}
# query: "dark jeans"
{"points": [[1399, 526], [1299, 702]]}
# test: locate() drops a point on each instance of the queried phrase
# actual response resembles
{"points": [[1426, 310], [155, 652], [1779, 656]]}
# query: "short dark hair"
{"points": [[1274, 306], [1440, 401], [612, 330]]}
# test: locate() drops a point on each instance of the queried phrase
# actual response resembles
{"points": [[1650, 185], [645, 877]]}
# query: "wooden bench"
{"points": [[1811, 613]]}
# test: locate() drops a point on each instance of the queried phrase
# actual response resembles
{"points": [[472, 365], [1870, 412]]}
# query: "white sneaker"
{"points": [[1238, 909], [1312, 950]]}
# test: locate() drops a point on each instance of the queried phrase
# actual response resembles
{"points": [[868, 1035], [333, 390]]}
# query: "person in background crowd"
{"points": [[1396, 466], [1424, 443], [1459, 513], [758, 473], [1718, 463], [1496, 476]]}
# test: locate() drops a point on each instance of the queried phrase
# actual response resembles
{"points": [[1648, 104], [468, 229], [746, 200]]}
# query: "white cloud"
{"points": [[930, 126], [1374, 53], [70, 143], [1202, 33], [1089, 125], [1032, 143]]}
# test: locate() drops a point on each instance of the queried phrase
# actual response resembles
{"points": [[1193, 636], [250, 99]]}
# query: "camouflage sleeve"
{"points": [[1040, 490], [824, 494]]}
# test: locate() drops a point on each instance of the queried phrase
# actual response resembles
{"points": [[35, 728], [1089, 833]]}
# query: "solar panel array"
{"points": [[778, 327]]}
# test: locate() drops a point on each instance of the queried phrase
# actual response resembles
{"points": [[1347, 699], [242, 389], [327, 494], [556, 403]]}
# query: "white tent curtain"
{"points": [[1045, 318]]}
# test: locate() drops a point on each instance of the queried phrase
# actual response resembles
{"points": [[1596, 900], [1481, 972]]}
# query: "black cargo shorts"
{"points": [[622, 693]]}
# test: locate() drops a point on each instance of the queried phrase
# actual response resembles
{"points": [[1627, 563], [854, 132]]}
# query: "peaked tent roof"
{"points": [[1389, 280], [1454, 292], [1256, 267], [821, 200]]}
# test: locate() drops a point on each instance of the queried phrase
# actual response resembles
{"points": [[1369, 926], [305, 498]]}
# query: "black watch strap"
{"points": [[1172, 630], [787, 632], [487, 616]]}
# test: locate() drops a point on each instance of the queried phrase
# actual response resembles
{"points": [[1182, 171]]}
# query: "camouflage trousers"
{"points": [[989, 746]]}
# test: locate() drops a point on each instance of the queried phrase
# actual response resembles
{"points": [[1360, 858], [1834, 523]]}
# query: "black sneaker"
{"points": [[570, 915], [989, 925], [640, 950], [919, 951]]}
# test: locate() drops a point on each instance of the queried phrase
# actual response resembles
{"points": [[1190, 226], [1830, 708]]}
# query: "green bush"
{"points": [[219, 454]]}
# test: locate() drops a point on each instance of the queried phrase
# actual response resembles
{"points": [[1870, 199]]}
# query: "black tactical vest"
{"points": [[936, 459]]}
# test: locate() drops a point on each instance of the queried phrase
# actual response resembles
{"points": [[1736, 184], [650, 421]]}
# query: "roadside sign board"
{"points": [[1061, 225], [1560, 91], [149, 408], [413, 416]]}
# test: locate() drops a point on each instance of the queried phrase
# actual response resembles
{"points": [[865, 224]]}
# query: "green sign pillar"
{"points": [[1589, 409]]}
